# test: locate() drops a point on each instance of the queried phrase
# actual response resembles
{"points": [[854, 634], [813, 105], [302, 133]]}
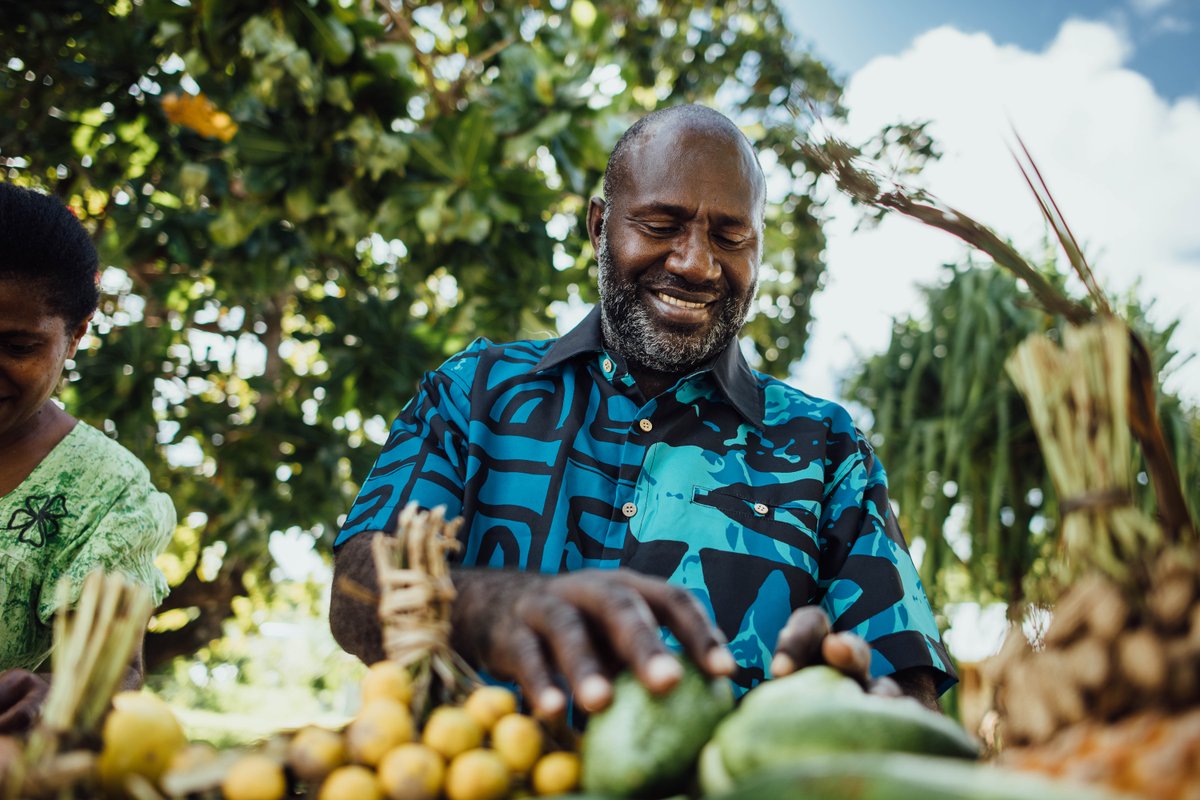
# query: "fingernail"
{"points": [[551, 702], [720, 661], [781, 665], [663, 669], [593, 692]]}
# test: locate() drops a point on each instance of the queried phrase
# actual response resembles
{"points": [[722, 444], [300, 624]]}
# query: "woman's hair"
{"points": [[44, 246]]}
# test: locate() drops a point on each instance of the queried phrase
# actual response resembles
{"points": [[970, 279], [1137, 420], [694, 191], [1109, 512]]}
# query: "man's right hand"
{"points": [[585, 626]]}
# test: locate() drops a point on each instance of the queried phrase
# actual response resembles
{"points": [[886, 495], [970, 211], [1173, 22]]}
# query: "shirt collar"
{"points": [[729, 369]]}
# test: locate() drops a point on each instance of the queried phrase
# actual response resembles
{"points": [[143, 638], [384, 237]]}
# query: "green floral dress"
{"points": [[88, 505]]}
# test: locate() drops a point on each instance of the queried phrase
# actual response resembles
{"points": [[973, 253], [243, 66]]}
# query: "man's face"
{"points": [[678, 249]]}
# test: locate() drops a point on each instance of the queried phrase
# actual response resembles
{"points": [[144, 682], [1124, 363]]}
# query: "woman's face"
{"points": [[34, 345]]}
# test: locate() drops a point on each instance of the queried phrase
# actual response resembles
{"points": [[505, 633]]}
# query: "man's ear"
{"points": [[595, 222]]}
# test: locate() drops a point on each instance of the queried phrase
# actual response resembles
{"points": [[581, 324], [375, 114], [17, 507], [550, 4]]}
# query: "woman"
{"points": [[71, 499]]}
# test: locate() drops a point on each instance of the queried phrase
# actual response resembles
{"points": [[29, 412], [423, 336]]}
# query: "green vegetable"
{"points": [[818, 711], [900, 776], [714, 778], [645, 744]]}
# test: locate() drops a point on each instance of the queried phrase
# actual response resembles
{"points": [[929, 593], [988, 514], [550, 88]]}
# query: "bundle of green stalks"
{"points": [[94, 643], [1078, 401]]}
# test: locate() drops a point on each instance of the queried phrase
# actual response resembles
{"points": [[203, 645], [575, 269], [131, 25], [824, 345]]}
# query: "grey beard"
{"points": [[630, 329]]}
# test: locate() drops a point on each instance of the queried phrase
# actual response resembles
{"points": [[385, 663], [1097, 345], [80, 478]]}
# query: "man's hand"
{"points": [[21, 696], [584, 626], [807, 640]]}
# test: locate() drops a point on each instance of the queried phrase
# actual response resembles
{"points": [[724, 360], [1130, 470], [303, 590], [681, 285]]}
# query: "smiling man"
{"points": [[634, 488]]}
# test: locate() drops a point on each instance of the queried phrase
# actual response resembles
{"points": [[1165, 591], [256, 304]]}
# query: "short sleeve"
{"points": [[868, 583], [126, 539], [424, 457]]}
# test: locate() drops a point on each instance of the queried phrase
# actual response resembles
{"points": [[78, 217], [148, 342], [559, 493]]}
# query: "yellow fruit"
{"points": [[412, 772], [254, 777], [451, 730], [315, 752], [477, 775], [489, 703], [379, 726], [350, 783], [386, 679], [518, 740], [140, 737], [556, 773]]}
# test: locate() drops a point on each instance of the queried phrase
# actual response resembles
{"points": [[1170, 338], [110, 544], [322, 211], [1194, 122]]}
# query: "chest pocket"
{"points": [[765, 511]]}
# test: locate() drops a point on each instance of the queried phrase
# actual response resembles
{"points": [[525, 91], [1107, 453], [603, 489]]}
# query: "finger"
{"points": [[19, 717], [885, 687], [563, 629], [632, 630], [799, 643], [848, 653], [683, 615], [523, 660]]}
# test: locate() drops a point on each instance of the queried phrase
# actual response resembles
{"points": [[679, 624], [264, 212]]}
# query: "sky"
{"points": [[1106, 94]]}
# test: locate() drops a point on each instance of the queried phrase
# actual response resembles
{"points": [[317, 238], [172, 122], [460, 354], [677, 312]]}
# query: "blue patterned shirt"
{"points": [[748, 492]]}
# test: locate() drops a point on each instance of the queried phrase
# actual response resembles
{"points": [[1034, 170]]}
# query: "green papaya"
{"points": [[902, 776], [645, 744]]}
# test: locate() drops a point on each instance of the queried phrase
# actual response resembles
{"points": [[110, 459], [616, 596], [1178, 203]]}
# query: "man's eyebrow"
{"points": [[682, 212]]}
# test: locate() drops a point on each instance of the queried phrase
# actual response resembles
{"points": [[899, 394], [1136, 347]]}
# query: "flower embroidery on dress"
{"points": [[38, 520]]}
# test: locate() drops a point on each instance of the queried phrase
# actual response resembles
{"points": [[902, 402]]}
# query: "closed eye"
{"points": [[18, 349], [731, 242]]}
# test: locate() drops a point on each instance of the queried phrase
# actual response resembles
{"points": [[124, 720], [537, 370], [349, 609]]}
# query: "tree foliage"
{"points": [[304, 204], [964, 464]]}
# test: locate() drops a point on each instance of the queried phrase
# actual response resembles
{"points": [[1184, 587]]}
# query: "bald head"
{"points": [[674, 121]]}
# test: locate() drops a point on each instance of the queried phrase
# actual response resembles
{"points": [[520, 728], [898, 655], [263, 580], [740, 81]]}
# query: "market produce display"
{"points": [[1107, 702]]}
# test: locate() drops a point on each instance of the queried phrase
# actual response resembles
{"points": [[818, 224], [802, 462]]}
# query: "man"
{"points": [[636, 475]]}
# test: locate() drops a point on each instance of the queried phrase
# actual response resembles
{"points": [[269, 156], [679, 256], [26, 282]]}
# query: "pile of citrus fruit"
{"points": [[481, 749]]}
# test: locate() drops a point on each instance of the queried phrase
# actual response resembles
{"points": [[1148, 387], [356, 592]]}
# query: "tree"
{"points": [[964, 464], [307, 203]]}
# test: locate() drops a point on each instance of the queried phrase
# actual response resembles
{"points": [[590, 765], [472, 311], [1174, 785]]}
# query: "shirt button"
{"points": [[629, 509], [646, 425], [761, 509], [606, 365]]}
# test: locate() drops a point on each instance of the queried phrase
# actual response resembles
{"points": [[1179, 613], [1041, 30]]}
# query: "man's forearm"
{"points": [[354, 603]]}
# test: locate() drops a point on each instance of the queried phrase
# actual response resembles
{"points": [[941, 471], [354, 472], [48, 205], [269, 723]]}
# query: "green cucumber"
{"points": [[801, 716], [902, 776], [711, 772]]}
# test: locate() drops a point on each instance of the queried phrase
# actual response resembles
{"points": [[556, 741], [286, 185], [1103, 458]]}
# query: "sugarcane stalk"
{"points": [[93, 647]]}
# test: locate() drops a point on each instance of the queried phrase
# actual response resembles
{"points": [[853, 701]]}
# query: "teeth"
{"points": [[675, 301]]}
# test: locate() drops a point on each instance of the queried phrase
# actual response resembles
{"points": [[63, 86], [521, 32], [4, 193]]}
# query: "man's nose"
{"points": [[692, 258]]}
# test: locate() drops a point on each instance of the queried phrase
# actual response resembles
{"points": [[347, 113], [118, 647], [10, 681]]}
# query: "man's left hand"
{"points": [[21, 696], [807, 640]]}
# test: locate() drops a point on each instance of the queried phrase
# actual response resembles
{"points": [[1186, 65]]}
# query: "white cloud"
{"points": [[1120, 159], [1149, 6], [1171, 24]]}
